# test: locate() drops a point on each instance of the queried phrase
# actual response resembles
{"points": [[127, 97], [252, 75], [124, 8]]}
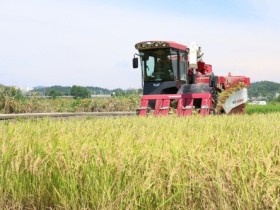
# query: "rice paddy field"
{"points": [[269, 108], [213, 162]]}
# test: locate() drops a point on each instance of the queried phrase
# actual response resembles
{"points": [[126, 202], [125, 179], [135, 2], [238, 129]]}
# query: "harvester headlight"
{"points": [[151, 44]]}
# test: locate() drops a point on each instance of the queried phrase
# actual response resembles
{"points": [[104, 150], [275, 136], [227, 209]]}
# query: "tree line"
{"points": [[264, 89], [82, 92]]}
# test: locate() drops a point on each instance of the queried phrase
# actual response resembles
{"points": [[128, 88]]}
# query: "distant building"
{"points": [[26, 91], [258, 102], [101, 96]]}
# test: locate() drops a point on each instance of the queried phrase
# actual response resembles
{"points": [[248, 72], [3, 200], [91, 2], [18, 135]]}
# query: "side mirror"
{"points": [[135, 63]]}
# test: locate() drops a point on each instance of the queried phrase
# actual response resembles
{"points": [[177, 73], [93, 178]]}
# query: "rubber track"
{"points": [[65, 115]]}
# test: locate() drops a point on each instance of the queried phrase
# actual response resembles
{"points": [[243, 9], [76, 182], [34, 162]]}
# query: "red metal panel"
{"points": [[165, 107], [205, 106], [204, 80], [177, 46], [180, 107], [162, 107], [230, 81], [162, 96], [157, 107], [184, 107], [144, 107]]}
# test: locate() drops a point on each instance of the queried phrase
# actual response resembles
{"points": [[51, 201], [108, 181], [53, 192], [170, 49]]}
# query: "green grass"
{"points": [[214, 162], [269, 108]]}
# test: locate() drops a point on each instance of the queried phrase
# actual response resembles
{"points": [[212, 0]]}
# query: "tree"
{"points": [[9, 99], [79, 92], [278, 99], [53, 93]]}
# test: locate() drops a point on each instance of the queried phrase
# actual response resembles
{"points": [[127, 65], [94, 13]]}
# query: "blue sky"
{"points": [[91, 43]]}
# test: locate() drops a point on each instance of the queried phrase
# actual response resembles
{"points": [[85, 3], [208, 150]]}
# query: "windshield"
{"points": [[158, 65]]}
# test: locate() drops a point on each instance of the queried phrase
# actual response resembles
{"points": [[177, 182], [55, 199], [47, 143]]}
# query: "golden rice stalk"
{"points": [[224, 95]]}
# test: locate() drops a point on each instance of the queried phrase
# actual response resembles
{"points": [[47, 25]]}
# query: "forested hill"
{"points": [[265, 89], [65, 90]]}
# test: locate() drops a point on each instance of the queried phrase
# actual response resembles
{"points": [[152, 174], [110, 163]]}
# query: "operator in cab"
{"points": [[163, 66]]}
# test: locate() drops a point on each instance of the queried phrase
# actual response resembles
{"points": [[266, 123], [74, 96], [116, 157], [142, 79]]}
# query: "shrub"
{"points": [[10, 99]]}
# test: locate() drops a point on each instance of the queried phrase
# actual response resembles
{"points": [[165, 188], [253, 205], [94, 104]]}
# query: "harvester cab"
{"points": [[176, 79]]}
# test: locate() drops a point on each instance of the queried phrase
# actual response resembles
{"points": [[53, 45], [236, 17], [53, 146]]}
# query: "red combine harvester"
{"points": [[175, 79]]}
